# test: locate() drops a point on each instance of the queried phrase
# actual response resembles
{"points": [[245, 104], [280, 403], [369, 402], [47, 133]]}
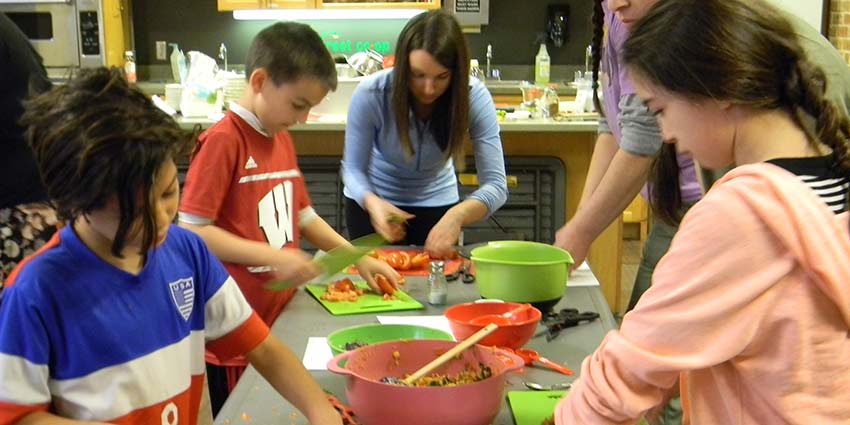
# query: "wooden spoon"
{"points": [[439, 361]]}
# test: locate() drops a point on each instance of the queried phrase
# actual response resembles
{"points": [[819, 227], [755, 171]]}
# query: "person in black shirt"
{"points": [[26, 219]]}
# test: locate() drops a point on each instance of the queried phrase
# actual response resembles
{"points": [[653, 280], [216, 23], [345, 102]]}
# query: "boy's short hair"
{"points": [[289, 51], [97, 137]]}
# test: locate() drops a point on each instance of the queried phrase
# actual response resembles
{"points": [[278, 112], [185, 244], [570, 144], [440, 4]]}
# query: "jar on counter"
{"points": [[438, 287], [550, 103]]}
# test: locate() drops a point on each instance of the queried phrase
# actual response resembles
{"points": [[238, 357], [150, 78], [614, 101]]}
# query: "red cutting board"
{"points": [[450, 267]]}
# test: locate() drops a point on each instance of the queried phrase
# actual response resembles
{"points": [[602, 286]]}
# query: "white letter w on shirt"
{"points": [[276, 215]]}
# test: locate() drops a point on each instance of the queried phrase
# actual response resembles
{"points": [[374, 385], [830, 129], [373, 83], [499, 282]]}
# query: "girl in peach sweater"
{"points": [[749, 312]]}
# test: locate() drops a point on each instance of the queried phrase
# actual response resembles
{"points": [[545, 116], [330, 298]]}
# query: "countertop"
{"points": [[495, 87], [337, 123], [253, 398]]}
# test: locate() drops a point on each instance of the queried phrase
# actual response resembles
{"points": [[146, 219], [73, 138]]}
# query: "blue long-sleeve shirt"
{"points": [[374, 160]]}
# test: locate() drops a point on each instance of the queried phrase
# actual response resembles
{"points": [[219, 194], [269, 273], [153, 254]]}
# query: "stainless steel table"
{"points": [[253, 401]]}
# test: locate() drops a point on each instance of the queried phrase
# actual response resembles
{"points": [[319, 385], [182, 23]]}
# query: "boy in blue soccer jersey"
{"points": [[108, 322]]}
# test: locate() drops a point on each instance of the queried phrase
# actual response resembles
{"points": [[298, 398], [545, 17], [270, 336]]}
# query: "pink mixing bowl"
{"points": [[377, 403]]}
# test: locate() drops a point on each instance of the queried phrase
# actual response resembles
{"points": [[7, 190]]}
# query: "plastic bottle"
{"points": [[130, 66], [437, 285], [541, 66], [178, 63]]}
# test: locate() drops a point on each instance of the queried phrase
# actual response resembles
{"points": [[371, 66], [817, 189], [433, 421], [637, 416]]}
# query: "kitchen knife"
{"points": [[337, 259]]}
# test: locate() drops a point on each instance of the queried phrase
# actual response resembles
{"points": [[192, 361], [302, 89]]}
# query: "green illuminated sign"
{"points": [[338, 44]]}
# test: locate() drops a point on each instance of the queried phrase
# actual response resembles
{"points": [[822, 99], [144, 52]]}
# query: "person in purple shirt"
{"points": [[627, 143]]}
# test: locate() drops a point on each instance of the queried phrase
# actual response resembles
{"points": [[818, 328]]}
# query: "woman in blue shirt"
{"points": [[404, 141]]}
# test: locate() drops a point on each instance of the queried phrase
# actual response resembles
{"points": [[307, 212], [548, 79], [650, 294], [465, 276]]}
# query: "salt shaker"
{"points": [[438, 287]]}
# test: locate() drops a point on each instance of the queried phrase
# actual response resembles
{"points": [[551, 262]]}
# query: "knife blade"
{"points": [[338, 259]]}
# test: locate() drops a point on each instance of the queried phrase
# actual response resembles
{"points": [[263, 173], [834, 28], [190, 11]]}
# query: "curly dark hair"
{"points": [[98, 137]]}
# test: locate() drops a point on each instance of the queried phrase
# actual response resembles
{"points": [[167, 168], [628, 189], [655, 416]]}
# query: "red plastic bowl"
{"points": [[378, 403], [511, 336]]}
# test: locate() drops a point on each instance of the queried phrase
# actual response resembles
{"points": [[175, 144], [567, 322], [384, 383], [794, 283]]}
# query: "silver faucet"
{"points": [[222, 54], [489, 73]]}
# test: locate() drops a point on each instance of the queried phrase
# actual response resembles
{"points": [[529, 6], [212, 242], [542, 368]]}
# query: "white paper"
{"points": [[582, 276], [436, 322], [317, 354]]}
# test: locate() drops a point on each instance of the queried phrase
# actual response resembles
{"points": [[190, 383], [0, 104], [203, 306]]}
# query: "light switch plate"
{"points": [[160, 50]]}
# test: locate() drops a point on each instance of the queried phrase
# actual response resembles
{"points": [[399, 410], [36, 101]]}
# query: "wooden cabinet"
{"points": [[226, 5], [292, 4], [378, 4], [117, 33]]}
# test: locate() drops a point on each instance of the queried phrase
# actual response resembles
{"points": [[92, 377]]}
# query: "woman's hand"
{"points": [[387, 219], [294, 266], [442, 239], [368, 267]]}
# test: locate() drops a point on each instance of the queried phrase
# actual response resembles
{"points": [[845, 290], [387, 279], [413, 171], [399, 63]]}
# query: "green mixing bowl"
{"points": [[521, 271], [374, 333]]}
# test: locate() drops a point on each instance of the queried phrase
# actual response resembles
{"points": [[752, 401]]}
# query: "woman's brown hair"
{"points": [[739, 51], [96, 138], [438, 33]]}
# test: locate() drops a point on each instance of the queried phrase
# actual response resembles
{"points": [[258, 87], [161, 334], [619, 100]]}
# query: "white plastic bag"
{"points": [[202, 91]]}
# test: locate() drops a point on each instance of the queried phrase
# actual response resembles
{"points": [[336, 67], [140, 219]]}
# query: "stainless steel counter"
{"points": [[254, 401]]}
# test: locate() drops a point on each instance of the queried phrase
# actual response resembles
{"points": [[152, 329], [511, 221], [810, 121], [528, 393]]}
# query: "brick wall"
{"points": [[839, 26]]}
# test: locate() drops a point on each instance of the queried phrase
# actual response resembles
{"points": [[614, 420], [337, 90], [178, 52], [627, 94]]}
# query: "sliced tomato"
{"points": [[399, 260], [420, 260], [384, 284], [344, 285], [405, 260]]}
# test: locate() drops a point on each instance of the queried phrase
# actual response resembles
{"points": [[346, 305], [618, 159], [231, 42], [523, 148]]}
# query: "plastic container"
{"points": [[378, 403], [513, 335], [541, 66], [130, 66], [375, 333], [522, 272]]}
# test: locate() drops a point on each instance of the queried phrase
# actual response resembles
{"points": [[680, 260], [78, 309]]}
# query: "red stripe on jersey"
{"points": [[50, 244], [180, 409], [12, 413], [241, 340]]}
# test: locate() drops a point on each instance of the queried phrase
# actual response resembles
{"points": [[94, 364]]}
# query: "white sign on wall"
{"points": [[810, 11]]}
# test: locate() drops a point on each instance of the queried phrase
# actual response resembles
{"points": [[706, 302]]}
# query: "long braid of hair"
{"points": [[665, 197], [596, 51], [805, 90]]}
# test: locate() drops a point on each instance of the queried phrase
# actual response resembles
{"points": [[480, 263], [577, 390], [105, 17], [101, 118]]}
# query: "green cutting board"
{"points": [[532, 407], [369, 302]]}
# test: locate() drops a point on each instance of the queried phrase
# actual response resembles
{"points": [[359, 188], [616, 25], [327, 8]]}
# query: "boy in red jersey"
{"points": [[109, 320], [245, 195]]}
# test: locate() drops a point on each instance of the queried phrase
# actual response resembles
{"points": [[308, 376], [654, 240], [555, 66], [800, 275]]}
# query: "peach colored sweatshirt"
{"points": [[751, 305]]}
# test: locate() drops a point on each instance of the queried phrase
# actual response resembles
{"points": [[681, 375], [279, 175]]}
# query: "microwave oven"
{"points": [[68, 34]]}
